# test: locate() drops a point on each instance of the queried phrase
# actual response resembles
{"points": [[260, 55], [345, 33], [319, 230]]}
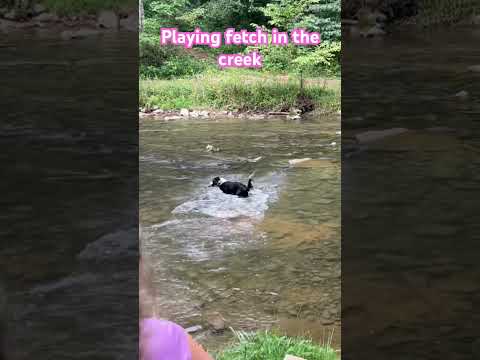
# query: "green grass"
{"points": [[74, 7], [236, 90], [269, 346]]}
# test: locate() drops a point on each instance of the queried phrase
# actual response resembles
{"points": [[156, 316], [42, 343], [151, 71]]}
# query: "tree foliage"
{"points": [[216, 15], [314, 15]]}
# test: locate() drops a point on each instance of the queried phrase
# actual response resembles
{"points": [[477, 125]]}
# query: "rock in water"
{"points": [[298, 161], [375, 135], [108, 19], [46, 17], [193, 329], [38, 9], [474, 68], [79, 34], [291, 357], [216, 321], [462, 94], [129, 23]]}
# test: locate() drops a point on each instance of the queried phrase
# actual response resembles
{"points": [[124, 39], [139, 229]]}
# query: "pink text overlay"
{"points": [[259, 37]]}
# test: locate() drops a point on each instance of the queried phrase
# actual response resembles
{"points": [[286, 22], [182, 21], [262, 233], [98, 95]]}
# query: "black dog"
{"points": [[233, 187]]}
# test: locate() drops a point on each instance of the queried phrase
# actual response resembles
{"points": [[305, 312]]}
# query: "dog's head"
{"points": [[215, 181]]}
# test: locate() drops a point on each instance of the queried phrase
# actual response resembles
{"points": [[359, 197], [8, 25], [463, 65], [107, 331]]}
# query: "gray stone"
{"points": [[11, 15], [108, 19], [38, 9], [174, 117], [291, 357], [462, 94], [474, 68], [78, 34], [294, 117], [216, 321], [298, 161], [46, 17], [373, 31], [375, 135], [184, 112], [193, 329], [129, 23]]}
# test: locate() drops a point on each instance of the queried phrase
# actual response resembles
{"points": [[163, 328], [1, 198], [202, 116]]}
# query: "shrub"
{"points": [[324, 58]]}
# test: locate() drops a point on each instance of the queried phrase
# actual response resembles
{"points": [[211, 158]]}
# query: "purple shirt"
{"points": [[163, 340]]}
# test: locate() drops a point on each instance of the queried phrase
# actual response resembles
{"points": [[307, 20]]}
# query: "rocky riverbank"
{"points": [[38, 16], [374, 18], [183, 114]]}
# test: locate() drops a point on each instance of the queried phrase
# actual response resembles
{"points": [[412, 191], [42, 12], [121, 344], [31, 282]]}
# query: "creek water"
{"points": [[270, 260], [69, 230], [409, 210]]}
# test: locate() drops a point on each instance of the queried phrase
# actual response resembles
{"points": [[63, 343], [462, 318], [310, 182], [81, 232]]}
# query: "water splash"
{"points": [[213, 202]]}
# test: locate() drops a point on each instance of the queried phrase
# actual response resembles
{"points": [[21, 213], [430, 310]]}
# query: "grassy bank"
{"points": [[268, 346], [238, 90]]}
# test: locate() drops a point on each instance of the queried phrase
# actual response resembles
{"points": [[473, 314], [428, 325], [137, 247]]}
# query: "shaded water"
{"points": [[272, 259], [69, 239], [410, 239]]}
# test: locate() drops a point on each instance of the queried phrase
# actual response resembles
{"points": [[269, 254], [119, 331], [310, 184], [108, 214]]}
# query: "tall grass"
{"points": [[269, 346], [233, 91]]}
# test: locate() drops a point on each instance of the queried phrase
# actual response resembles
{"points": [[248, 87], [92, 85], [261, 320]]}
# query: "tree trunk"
{"points": [[141, 16]]}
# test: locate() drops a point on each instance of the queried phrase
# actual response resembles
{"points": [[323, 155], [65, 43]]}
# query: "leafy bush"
{"points": [[276, 58], [152, 54], [314, 15], [167, 61], [323, 59]]}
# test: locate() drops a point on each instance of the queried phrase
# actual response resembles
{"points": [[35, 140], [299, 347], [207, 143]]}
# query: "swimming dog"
{"points": [[233, 187]]}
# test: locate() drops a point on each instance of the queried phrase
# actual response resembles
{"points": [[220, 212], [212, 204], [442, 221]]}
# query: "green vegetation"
{"points": [[217, 15], [237, 89], [268, 346]]}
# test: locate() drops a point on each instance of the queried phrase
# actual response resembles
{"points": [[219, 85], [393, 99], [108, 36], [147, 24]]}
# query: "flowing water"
{"points": [[409, 210], [272, 259], [69, 233]]}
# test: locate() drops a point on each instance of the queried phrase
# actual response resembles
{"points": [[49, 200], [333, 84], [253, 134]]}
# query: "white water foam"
{"points": [[212, 224], [213, 202]]}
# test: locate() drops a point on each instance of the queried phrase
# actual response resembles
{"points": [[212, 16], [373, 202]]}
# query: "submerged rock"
{"points": [[46, 17], [297, 161], [193, 329], [38, 9], [216, 321], [108, 19], [462, 94], [374, 135], [173, 117], [474, 68], [129, 23], [78, 34]]}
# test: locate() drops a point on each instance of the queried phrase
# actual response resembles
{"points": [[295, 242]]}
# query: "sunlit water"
{"points": [[272, 259]]}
